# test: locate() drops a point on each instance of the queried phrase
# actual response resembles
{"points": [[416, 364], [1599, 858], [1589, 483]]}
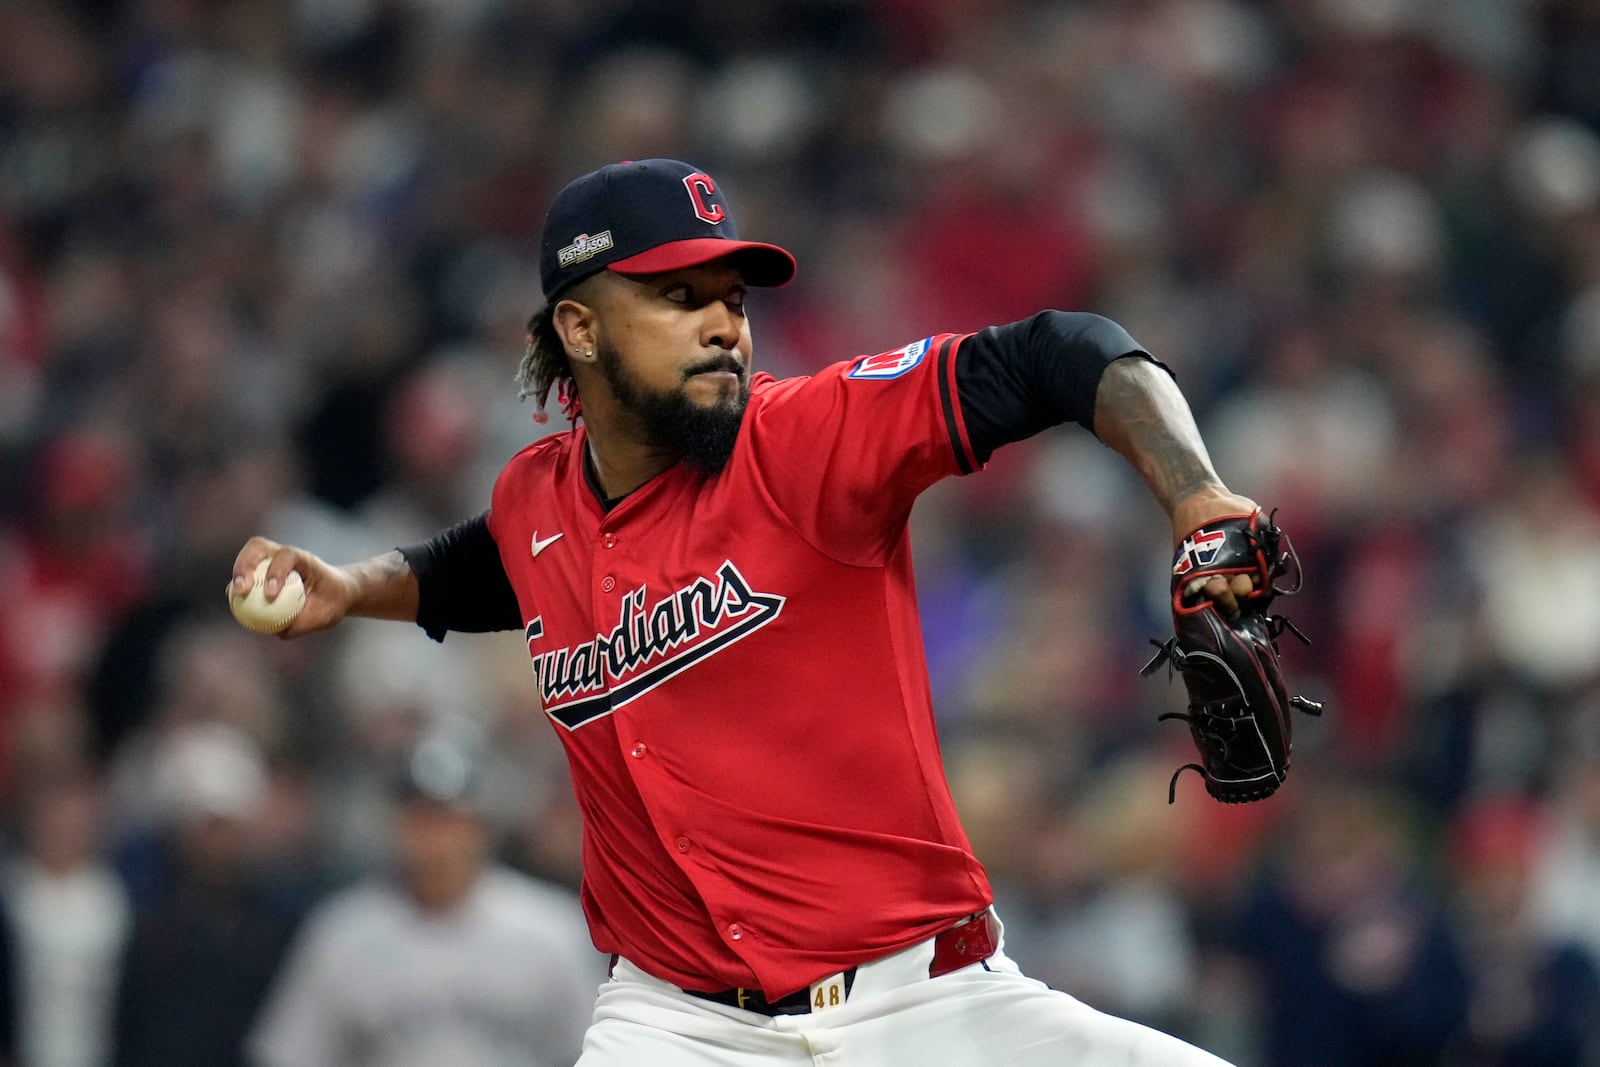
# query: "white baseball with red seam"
{"points": [[255, 612]]}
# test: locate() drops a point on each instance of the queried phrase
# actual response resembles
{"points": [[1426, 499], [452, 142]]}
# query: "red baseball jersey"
{"points": [[735, 666]]}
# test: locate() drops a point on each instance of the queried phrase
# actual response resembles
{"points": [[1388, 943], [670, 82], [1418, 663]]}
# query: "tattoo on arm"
{"points": [[391, 566], [1140, 413], [385, 588]]}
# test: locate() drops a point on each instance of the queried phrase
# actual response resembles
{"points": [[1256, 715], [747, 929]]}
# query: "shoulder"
{"points": [[863, 381], [864, 368], [775, 401], [766, 390], [546, 457], [544, 452]]}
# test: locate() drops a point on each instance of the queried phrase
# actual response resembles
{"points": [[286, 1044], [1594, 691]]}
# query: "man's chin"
{"points": [[707, 442], [700, 432], [717, 389], [699, 421]]}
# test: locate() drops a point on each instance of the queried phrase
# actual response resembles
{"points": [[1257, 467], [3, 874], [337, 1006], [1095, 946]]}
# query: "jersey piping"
{"points": [[955, 425]]}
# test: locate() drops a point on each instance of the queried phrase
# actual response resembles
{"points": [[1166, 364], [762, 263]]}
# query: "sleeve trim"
{"points": [[954, 423]]}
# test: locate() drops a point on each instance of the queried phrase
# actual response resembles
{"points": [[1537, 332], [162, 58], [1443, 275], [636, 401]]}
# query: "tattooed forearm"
{"points": [[1140, 413], [384, 587], [391, 566]]}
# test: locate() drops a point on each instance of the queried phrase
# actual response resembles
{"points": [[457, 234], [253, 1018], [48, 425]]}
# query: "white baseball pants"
{"points": [[895, 1016]]}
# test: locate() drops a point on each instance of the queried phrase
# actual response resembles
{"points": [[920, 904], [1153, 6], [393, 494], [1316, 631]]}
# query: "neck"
{"points": [[622, 464]]}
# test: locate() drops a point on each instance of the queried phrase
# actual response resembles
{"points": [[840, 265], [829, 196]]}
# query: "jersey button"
{"points": [[638, 751], [607, 584], [734, 932], [609, 540], [683, 844]]}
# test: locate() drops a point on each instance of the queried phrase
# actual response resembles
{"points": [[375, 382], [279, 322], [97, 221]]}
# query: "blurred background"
{"points": [[265, 267]]}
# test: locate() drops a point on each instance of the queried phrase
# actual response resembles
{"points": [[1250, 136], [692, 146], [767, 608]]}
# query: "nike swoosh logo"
{"points": [[539, 546]]}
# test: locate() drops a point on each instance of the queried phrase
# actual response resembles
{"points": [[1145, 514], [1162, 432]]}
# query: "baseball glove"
{"points": [[1238, 705]]}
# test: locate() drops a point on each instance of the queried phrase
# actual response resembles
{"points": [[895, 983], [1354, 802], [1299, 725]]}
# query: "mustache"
{"points": [[727, 362]]}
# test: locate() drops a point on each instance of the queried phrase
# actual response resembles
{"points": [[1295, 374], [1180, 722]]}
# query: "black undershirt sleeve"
{"points": [[1018, 379], [461, 582]]}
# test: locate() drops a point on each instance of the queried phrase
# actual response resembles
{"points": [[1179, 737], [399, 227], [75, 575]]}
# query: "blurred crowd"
{"points": [[265, 266]]}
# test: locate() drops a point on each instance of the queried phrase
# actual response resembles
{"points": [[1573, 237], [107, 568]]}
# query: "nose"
{"points": [[721, 327]]}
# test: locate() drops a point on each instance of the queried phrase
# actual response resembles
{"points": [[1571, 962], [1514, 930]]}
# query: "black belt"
{"points": [[974, 938], [796, 1003]]}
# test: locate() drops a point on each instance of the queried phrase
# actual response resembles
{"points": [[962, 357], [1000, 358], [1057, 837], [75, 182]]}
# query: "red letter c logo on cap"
{"points": [[701, 187]]}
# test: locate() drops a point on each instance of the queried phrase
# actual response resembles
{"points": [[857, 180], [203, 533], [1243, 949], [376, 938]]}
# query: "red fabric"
{"points": [[773, 266], [963, 945], [754, 815]]}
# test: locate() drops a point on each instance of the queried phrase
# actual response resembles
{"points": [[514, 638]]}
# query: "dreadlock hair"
{"points": [[544, 367], [544, 363]]}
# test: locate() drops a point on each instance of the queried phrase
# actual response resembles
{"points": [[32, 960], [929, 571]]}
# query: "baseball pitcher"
{"points": [[711, 571]]}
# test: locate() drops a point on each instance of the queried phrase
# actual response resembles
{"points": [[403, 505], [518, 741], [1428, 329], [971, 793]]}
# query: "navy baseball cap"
{"points": [[645, 217]]}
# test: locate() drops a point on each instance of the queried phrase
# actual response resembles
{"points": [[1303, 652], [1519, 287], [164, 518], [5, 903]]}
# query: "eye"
{"points": [[678, 294]]}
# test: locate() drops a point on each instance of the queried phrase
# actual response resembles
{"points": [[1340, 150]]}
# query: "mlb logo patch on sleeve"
{"points": [[887, 365]]}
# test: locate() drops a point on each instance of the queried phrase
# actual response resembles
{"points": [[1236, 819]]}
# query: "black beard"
{"points": [[702, 437]]}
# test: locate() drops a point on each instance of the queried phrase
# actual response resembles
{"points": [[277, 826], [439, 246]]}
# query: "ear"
{"points": [[576, 325]]}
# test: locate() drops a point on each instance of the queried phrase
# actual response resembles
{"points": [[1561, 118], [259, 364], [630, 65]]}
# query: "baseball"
{"points": [[255, 612]]}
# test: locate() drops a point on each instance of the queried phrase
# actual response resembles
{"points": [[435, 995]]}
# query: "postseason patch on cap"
{"points": [[584, 247], [888, 365]]}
